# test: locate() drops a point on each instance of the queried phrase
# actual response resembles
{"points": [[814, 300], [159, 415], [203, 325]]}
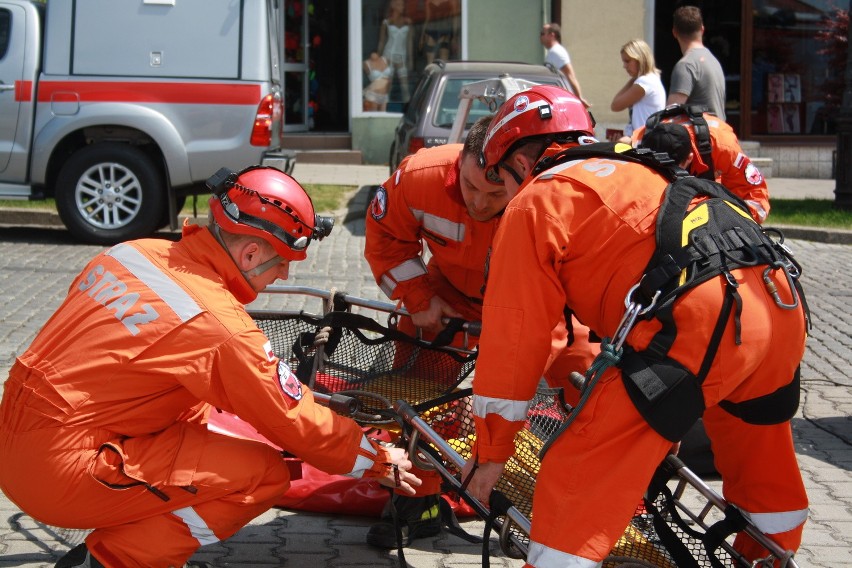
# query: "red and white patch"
{"points": [[379, 205], [521, 103], [753, 175], [267, 349], [288, 382]]}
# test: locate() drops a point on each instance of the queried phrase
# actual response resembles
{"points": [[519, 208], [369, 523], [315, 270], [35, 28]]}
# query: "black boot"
{"points": [[78, 557], [419, 517]]}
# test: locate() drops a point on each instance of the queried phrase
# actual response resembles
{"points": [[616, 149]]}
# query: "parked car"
{"points": [[428, 119], [119, 110]]}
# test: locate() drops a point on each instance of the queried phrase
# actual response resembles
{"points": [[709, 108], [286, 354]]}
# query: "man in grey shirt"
{"points": [[697, 79]]}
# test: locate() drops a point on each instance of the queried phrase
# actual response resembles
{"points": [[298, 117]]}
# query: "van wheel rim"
{"points": [[108, 196]]}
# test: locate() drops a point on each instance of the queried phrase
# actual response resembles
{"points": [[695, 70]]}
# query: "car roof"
{"points": [[492, 67]]}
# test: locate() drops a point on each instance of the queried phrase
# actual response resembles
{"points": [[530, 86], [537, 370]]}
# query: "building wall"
{"points": [[594, 38]]}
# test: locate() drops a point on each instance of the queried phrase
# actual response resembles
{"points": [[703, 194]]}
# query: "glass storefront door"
{"points": [[295, 66]]}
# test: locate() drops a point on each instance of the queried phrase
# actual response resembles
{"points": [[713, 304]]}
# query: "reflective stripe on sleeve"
{"points": [[408, 270], [511, 410], [440, 226], [197, 527], [156, 280], [363, 463], [776, 523], [387, 286], [541, 556]]}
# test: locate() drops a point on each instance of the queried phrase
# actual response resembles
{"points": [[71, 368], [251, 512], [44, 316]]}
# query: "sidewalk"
{"points": [[38, 265], [360, 176]]}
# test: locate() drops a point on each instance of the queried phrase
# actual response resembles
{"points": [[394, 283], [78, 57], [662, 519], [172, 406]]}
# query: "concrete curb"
{"points": [[357, 204]]}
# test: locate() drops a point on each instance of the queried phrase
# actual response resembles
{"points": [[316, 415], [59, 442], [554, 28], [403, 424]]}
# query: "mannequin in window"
{"points": [[396, 42], [440, 30], [379, 74]]}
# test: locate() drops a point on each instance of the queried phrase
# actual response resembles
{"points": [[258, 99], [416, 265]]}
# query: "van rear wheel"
{"points": [[107, 193]]}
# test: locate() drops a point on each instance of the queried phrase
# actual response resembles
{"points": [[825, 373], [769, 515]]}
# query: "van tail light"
{"points": [[268, 114], [415, 144]]}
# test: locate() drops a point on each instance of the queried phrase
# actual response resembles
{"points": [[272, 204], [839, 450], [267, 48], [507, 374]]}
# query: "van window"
{"points": [[5, 28]]}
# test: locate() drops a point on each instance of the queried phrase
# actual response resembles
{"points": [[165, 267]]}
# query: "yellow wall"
{"points": [[593, 31]]}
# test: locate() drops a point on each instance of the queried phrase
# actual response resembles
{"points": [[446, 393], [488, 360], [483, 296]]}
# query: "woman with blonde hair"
{"points": [[643, 94]]}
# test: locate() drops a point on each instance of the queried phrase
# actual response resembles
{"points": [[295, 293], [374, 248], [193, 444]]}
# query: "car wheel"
{"points": [[108, 193]]}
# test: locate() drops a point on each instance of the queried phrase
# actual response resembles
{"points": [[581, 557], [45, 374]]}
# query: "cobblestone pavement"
{"points": [[37, 265]]}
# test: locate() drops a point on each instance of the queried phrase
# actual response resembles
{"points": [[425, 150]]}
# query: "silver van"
{"points": [[119, 109]]}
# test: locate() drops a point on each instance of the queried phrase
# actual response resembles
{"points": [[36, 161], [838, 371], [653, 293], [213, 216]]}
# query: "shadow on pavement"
{"points": [[356, 209], [839, 430]]}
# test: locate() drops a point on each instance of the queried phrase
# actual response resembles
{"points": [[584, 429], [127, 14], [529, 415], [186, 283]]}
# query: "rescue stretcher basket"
{"points": [[345, 350], [681, 522], [392, 380]]}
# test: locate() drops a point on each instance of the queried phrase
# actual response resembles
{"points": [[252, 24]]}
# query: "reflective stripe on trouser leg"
{"points": [[758, 462], [540, 556], [235, 480], [594, 476], [197, 527]]}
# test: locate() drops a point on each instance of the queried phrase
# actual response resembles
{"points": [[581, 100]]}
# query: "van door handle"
{"points": [[4, 87]]}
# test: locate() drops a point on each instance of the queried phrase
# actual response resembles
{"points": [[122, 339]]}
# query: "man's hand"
{"points": [[484, 479], [430, 318], [399, 476]]}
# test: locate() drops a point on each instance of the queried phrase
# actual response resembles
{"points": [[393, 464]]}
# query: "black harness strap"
{"points": [[699, 127]]}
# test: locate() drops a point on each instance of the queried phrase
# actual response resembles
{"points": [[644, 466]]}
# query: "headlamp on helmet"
{"points": [[267, 203]]}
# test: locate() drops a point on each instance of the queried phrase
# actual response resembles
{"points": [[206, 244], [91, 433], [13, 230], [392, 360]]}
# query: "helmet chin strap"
{"points": [[257, 270], [512, 172], [263, 267]]}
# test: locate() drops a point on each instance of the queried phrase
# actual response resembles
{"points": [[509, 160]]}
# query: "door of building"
{"points": [[315, 66]]}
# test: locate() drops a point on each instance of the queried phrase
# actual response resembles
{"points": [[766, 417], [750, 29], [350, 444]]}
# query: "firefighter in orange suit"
{"points": [[440, 196], [103, 418], [716, 154], [582, 233]]}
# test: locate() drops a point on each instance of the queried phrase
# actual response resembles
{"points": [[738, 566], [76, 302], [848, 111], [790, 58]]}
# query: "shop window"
{"points": [[794, 68], [401, 37]]}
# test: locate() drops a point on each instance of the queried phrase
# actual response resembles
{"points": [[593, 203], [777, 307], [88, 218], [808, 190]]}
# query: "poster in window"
{"points": [[792, 88], [792, 125], [775, 92], [774, 119]]}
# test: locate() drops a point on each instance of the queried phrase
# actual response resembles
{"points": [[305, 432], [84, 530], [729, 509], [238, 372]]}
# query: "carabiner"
{"points": [[773, 289]]}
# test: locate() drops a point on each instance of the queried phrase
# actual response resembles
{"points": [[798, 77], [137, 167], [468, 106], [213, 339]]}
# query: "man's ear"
{"points": [[522, 164], [247, 255]]}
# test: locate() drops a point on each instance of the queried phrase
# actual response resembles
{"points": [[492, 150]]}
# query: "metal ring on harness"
{"points": [[773, 289], [628, 299]]}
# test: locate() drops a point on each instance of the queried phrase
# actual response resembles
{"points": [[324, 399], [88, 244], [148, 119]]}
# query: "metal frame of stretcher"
{"points": [[686, 492]]}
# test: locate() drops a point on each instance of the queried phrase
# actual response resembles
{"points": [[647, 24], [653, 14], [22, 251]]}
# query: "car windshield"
{"points": [[445, 114]]}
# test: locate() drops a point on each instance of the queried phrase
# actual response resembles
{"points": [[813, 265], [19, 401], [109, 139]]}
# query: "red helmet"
{"points": [[267, 203], [541, 110]]}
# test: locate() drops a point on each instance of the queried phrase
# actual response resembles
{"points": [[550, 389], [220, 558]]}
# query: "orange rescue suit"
{"points": [[731, 167], [422, 202], [102, 422], [582, 233]]}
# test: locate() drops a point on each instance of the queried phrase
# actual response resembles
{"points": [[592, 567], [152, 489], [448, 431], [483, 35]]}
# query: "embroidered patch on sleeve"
{"points": [[288, 382], [753, 175], [379, 206]]}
